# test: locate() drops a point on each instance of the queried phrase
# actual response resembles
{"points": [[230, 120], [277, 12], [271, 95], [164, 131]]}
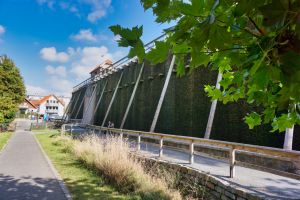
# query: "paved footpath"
{"points": [[24, 170]]}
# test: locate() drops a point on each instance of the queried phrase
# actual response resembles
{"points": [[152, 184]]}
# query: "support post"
{"points": [[80, 105], [161, 143], [99, 100], [62, 129], [132, 96], [212, 111], [73, 109], [71, 129], [85, 112], [139, 142], [288, 138], [112, 100], [121, 135], [232, 163], [67, 109], [162, 96], [192, 152]]}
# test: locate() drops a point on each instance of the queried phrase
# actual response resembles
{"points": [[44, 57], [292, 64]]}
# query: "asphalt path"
{"points": [[24, 170]]}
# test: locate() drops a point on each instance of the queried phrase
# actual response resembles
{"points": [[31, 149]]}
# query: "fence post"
{"points": [[232, 162], [139, 142], [161, 141], [121, 134], [192, 152], [71, 128]]}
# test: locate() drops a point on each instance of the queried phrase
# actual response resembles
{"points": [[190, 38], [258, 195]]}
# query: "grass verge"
{"points": [[4, 137], [112, 157], [83, 183]]}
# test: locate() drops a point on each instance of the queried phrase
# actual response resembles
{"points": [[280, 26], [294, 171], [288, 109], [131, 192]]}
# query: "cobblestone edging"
{"points": [[192, 181]]}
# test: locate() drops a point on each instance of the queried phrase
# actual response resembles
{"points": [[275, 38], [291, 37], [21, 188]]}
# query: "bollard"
{"points": [[161, 147], [192, 152], [232, 163], [139, 142]]}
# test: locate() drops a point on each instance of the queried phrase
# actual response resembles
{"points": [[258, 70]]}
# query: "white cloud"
{"points": [[98, 8], [36, 90], [60, 86], [2, 30], [59, 71], [85, 35], [50, 54], [89, 58], [49, 3]]}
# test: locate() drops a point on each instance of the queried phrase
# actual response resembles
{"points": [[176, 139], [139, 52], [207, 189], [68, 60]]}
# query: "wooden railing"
{"points": [[232, 147]]}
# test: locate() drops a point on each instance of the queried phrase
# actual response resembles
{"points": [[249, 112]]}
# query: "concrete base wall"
{"points": [[199, 185]]}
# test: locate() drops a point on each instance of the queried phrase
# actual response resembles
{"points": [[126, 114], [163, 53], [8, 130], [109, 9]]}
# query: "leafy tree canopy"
{"points": [[254, 44], [12, 89]]}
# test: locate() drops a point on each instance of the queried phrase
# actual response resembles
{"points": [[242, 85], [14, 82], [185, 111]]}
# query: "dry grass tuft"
{"points": [[111, 156]]}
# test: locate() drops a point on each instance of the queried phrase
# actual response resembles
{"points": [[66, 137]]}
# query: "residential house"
{"points": [[50, 104], [27, 107]]}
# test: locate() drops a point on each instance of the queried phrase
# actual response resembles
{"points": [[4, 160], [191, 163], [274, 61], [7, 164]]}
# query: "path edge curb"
{"points": [[56, 174]]}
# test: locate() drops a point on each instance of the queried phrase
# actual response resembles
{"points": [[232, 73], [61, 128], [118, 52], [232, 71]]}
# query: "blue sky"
{"points": [[55, 43]]}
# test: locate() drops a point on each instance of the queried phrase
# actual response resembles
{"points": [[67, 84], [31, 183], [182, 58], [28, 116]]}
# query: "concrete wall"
{"points": [[200, 185]]}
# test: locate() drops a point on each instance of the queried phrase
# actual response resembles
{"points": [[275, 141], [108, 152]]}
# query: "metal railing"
{"points": [[289, 155], [125, 61]]}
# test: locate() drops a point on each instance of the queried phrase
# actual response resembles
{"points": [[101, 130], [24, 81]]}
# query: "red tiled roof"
{"points": [[45, 98], [30, 103]]}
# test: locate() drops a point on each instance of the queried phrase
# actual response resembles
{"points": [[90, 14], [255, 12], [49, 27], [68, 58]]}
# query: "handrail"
{"points": [[231, 146], [117, 65]]}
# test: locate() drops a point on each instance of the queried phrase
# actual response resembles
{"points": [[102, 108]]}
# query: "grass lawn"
{"points": [[4, 138], [82, 182]]}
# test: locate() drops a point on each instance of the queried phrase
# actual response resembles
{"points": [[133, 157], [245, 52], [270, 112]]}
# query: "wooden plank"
{"points": [[132, 96], [112, 100], [162, 96]]}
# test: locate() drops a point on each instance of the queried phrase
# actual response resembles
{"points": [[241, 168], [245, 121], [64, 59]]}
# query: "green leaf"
{"points": [[160, 53], [282, 122], [180, 69], [253, 119]]}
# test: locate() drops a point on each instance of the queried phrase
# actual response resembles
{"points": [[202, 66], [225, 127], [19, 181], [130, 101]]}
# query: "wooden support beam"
{"points": [[112, 100], [162, 96], [80, 105], [86, 111], [132, 96], [212, 110], [98, 103], [73, 109], [232, 163]]}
